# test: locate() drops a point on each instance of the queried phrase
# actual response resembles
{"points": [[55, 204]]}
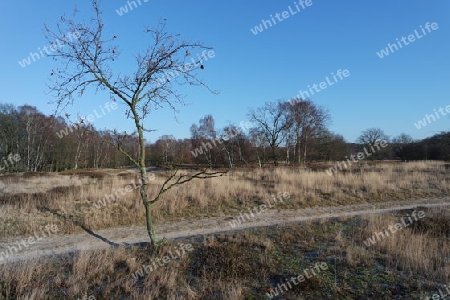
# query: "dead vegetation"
{"points": [[81, 196], [410, 264]]}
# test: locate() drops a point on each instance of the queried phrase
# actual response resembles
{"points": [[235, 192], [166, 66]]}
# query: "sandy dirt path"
{"points": [[101, 239]]}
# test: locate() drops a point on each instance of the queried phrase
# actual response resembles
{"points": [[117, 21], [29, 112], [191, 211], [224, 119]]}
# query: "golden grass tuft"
{"points": [[414, 249]]}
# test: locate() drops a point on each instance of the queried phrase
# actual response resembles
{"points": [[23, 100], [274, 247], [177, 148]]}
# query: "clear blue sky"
{"points": [[390, 93]]}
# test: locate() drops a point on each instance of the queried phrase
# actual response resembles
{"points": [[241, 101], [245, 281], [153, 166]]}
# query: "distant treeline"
{"points": [[277, 133]]}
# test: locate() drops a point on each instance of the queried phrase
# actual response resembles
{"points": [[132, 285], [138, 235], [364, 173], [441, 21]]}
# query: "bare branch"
{"points": [[183, 179]]}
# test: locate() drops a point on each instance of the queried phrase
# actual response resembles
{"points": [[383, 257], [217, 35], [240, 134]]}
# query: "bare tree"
{"points": [[97, 148], [235, 145], [35, 137], [86, 57], [332, 147], [372, 136], [401, 142], [203, 135], [272, 123], [403, 139], [307, 122], [9, 130], [168, 142], [258, 140]]}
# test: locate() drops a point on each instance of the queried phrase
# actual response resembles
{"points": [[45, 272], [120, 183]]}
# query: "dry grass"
{"points": [[68, 199], [245, 265], [421, 248], [241, 265]]}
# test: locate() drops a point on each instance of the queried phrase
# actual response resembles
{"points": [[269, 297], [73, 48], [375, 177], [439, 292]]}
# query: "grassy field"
{"points": [[30, 201], [249, 264], [412, 263]]}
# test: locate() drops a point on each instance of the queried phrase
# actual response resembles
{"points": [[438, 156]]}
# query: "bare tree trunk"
{"points": [[274, 153], [259, 158], [28, 147], [230, 160], [77, 156], [144, 180], [304, 155], [148, 206], [287, 155]]}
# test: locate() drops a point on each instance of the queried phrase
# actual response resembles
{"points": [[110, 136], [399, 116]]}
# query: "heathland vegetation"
{"points": [[246, 264]]}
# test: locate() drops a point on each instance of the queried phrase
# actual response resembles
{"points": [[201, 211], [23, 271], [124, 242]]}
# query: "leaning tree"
{"points": [[86, 61]]}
